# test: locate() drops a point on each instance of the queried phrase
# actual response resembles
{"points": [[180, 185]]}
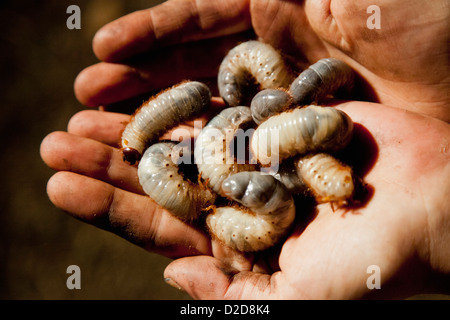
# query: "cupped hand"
{"points": [[402, 229]]}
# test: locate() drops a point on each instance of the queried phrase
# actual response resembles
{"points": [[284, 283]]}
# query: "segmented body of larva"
{"points": [[320, 175], [325, 77], [269, 102], [299, 131], [328, 179], [167, 110], [160, 178], [248, 68], [216, 149], [267, 216]]}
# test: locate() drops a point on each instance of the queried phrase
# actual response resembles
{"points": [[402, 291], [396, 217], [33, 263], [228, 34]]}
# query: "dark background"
{"points": [[40, 58]]}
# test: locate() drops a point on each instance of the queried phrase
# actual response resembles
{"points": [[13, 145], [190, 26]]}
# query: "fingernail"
{"points": [[172, 283]]}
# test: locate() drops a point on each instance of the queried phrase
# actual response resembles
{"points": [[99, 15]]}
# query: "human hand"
{"points": [[405, 63], [402, 228], [95, 185], [301, 30]]}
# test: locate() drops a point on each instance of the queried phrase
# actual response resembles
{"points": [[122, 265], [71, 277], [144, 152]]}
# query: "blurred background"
{"points": [[40, 58]]}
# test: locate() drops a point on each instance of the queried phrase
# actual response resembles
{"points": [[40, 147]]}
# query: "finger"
{"points": [[134, 217], [63, 151], [107, 83], [205, 277], [286, 26], [175, 21], [105, 127], [230, 257]]}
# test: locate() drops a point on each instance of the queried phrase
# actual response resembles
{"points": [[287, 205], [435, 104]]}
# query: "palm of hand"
{"points": [[330, 256]]}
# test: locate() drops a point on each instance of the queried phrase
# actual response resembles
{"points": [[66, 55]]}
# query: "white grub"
{"points": [[328, 179], [161, 113], [249, 67], [300, 131], [266, 214], [320, 80], [212, 152], [162, 180]]}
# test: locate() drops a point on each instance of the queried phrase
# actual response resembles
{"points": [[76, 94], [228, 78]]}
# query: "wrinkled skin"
{"points": [[403, 135]]}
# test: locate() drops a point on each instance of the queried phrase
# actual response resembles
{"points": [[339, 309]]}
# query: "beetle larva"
{"points": [[328, 179], [212, 151], [322, 78], [299, 131], [269, 102], [248, 68], [160, 178], [268, 213], [320, 175], [165, 111]]}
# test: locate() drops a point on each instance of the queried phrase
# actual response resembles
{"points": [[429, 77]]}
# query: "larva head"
{"points": [[269, 102], [248, 68], [131, 155]]}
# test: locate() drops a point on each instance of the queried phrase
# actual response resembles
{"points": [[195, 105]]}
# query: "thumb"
{"points": [[205, 277]]}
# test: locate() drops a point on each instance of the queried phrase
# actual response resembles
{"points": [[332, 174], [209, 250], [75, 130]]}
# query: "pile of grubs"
{"points": [[247, 201]]}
